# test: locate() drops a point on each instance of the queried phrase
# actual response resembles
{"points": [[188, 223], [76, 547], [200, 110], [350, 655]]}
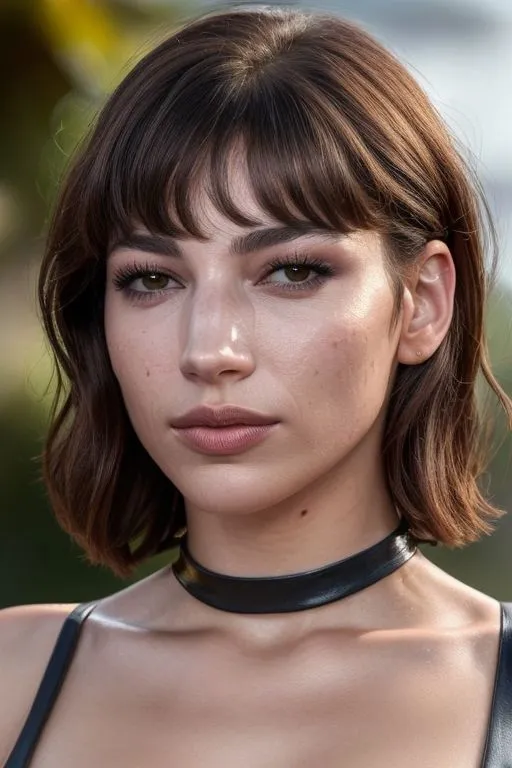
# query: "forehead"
{"points": [[212, 221], [218, 229]]}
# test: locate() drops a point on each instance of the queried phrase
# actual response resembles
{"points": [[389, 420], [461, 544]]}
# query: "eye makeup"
{"points": [[293, 267]]}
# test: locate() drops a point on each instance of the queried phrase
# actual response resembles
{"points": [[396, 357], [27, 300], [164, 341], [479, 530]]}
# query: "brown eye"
{"points": [[154, 281], [297, 272]]}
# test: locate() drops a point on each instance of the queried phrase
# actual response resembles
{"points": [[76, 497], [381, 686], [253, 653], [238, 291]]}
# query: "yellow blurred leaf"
{"points": [[84, 37]]}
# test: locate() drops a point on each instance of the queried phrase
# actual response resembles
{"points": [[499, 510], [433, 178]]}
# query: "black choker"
{"points": [[297, 591]]}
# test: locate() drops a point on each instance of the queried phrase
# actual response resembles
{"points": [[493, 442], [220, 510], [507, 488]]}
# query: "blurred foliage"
{"points": [[58, 58]]}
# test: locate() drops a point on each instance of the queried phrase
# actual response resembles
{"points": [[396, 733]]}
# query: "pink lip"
{"points": [[223, 430], [222, 441], [222, 416]]}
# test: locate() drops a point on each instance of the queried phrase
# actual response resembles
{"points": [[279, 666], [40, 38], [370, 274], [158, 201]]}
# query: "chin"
{"points": [[234, 490]]}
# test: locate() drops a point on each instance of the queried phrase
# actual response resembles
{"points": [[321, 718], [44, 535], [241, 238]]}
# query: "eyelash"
{"points": [[128, 273]]}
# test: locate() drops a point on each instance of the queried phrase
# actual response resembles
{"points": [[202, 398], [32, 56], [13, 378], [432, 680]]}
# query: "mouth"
{"points": [[224, 441], [223, 430], [223, 416]]}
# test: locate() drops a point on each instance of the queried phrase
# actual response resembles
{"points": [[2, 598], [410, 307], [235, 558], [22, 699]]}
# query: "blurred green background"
{"points": [[58, 59]]}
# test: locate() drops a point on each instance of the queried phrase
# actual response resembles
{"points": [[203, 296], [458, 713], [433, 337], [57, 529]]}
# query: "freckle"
{"points": [[335, 344], [147, 372], [303, 512], [316, 372]]}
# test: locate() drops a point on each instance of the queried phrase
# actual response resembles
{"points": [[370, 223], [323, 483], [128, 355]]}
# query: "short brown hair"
{"points": [[335, 132]]}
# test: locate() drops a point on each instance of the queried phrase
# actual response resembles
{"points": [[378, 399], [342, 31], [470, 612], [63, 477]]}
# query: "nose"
{"points": [[217, 341]]}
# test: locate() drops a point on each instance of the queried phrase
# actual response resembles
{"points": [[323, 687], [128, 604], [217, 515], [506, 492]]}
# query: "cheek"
{"points": [[137, 357], [352, 343], [339, 365], [349, 366]]}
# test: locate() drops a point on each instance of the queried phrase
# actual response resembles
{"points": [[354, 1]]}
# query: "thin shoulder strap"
{"points": [[49, 687], [498, 750]]}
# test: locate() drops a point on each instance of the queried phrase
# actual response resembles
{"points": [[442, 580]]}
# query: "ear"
{"points": [[427, 304]]}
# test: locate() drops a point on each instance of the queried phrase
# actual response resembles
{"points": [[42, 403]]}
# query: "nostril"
{"points": [[223, 362]]}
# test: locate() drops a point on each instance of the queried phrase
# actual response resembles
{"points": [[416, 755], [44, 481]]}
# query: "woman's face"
{"points": [[226, 322]]}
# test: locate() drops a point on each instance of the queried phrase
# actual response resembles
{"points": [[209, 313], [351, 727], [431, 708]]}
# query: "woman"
{"points": [[265, 285]]}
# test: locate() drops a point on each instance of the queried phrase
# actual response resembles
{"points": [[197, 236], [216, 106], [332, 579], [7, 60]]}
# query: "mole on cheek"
{"points": [[303, 512], [147, 372]]}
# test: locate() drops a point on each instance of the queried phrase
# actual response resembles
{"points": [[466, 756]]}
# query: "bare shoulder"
{"points": [[27, 636]]}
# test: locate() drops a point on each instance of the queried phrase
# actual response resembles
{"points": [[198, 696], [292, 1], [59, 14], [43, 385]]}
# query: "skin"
{"points": [[398, 674], [225, 332]]}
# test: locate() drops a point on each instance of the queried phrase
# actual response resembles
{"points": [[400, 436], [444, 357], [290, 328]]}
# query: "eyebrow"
{"points": [[268, 236], [253, 241]]}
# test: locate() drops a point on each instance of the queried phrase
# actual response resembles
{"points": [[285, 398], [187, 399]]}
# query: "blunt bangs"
{"points": [[157, 177], [313, 144]]}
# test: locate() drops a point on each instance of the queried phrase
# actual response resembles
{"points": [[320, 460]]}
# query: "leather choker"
{"points": [[297, 591]]}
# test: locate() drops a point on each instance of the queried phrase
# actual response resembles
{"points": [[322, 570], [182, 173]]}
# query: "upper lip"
{"points": [[223, 416]]}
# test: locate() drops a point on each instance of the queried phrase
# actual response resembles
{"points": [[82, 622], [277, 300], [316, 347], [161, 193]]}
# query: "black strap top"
{"points": [[497, 752]]}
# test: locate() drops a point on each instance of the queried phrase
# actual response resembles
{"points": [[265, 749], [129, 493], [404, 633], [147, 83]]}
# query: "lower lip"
{"points": [[222, 441]]}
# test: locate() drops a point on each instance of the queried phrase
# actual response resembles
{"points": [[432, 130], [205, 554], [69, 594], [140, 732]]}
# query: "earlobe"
{"points": [[428, 305]]}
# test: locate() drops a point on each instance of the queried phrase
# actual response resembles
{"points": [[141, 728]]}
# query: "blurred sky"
{"points": [[461, 52]]}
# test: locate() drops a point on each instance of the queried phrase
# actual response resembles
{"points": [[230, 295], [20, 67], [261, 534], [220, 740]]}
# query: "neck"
{"points": [[322, 524]]}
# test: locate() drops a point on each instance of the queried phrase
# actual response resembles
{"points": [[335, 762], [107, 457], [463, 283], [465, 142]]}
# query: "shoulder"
{"points": [[27, 636]]}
